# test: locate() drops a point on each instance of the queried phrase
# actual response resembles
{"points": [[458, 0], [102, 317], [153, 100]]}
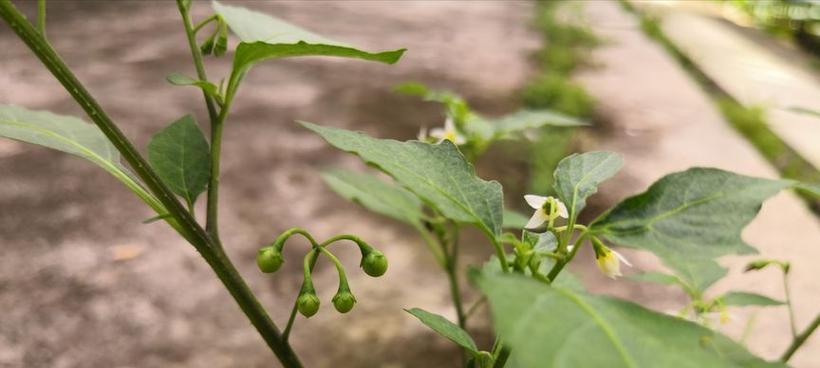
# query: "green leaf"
{"points": [[803, 110], [656, 277], [742, 299], [813, 189], [70, 135], [436, 173], [181, 157], [514, 219], [531, 119], [577, 177], [558, 328], [265, 37], [689, 218], [178, 79], [445, 328], [376, 195]]}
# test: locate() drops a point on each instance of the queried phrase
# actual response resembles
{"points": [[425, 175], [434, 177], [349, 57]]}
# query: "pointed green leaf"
{"points": [[656, 277], [577, 177], [265, 37], [742, 299], [814, 189], [445, 328], [179, 79], [436, 173], [689, 218], [70, 135], [375, 194], [558, 328], [181, 157], [514, 219], [531, 119]]}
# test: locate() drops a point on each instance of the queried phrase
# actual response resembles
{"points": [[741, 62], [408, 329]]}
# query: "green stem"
{"points": [[433, 246], [560, 264], [787, 291], [473, 308], [211, 224], [41, 17], [191, 231], [452, 276], [800, 339], [204, 22]]}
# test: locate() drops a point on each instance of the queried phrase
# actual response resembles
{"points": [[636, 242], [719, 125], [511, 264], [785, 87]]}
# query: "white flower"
{"points": [[609, 261], [546, 209], [422, 136], [449, 133]]}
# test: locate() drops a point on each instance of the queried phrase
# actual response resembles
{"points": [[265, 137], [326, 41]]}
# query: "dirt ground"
{"points": [[68, 297]]}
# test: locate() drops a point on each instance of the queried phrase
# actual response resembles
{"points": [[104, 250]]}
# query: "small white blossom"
{"points": [[609, 262], [449, 133], [544, 212]]}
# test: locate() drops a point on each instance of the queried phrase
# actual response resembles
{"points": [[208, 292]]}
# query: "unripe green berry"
{"points": [[308, 304], [343, 301], [269, 259], [374, 263]]}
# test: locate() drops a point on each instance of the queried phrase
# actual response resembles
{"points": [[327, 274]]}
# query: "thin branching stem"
{"points": [[189, 228], [800, 339]]}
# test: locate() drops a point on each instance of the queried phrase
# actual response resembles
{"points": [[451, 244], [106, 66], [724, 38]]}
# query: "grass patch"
{"points": [[567, 44]]}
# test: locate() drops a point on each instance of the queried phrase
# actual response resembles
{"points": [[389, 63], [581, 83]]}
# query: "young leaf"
{"points": [[689, 218], [265, 37], [577, 177], [514, 219], [375, 194], [554, 327], [742, 299], [70, 135], [436, 173], [531, 119], [180, 155], [178, 79], [445, 328]]}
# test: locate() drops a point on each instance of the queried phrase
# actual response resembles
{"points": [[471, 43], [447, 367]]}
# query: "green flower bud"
{"points": [[269, 259], [343, 301], [308, 304], [374, 263]]}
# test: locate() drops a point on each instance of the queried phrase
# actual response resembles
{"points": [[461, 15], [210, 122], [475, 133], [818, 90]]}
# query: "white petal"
{"points": [[535, 201], [621, 258], [537, 219], [562, 209], [422, 134], [448, 125], [460, 139], [437, 133]]}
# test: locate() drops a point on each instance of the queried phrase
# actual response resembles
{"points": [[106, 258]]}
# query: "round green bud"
{"points": [[343, 301], [308, 304], [269, 259], [374, 263]]}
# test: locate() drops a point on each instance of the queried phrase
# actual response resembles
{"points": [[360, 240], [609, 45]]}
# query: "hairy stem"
{"points": [[41, 17], [190, 229], [800, 339]]}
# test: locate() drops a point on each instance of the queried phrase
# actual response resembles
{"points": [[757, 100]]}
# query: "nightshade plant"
{"points": [[541, 314]]}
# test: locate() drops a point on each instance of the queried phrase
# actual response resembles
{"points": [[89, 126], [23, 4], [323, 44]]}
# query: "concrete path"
{"points": [[660, 120], [750, 72]]}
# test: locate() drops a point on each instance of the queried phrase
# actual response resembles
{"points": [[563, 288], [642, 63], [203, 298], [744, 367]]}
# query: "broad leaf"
{"points": [[558, 328], [514, 219], [265, 37], [689, 218], [577, 177], [376, 195], [70, 135], [445, 328], [742, 299], [181, 157], [436, 173]]}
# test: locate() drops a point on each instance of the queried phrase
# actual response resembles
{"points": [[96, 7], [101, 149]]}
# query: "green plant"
{"points": [[542, 315]]}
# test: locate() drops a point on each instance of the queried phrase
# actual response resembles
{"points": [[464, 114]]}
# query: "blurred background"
{"points": [[669, 84]]}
